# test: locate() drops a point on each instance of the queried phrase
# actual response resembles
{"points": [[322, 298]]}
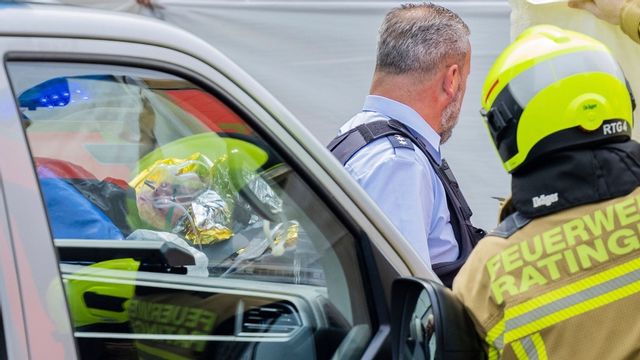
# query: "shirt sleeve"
{"points": [[403, 190], [630, 19]]}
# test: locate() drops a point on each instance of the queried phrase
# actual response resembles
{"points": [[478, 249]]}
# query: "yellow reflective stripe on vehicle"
{"points": [[572, 300]]}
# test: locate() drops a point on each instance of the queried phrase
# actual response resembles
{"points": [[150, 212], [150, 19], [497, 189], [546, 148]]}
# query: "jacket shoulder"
{"points": [[510, 225]]}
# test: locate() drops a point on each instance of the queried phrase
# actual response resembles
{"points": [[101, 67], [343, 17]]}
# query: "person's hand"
{"points": [[607, 10], [145, 2]]}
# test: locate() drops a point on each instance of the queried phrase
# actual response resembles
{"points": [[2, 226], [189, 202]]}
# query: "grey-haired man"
{"points": [[392, 147]]}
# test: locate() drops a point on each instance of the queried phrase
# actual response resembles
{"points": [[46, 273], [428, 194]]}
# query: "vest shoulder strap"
{"points": [[348, 144], [443, 171]]}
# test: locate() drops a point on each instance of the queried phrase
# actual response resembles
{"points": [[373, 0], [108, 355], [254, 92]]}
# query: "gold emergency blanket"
{"points": [[191, 197]]}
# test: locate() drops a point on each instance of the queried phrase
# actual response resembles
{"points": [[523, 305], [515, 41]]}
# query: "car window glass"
{"points": [[180, 231]]}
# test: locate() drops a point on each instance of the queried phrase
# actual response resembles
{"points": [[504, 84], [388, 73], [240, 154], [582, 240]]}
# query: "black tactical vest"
{"points": [[467, 236]]}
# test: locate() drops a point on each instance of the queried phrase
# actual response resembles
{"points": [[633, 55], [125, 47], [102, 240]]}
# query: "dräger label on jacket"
{"points": [[578, 244], [544, 200]]}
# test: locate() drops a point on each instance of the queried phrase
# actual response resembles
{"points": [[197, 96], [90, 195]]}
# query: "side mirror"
{"points": [[430, 323]]}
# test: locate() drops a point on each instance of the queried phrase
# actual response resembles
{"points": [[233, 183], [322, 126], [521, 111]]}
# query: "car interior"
{"points": [[179, 230]]}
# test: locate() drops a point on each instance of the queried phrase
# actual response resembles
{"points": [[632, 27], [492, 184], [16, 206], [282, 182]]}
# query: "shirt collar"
{"points": [[406, 115]]}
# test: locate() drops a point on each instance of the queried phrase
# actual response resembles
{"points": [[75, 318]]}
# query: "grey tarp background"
{"points": [[317, 58]]}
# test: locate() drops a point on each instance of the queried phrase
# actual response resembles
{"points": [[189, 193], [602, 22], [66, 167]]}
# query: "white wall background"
{"points": [[317, 58]]}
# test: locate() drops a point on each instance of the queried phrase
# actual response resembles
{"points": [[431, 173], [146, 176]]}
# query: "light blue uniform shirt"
{"points": [[403, 183]]}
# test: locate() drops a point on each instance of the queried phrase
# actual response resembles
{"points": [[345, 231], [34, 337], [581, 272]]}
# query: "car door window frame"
{"points": [[374, 296]]}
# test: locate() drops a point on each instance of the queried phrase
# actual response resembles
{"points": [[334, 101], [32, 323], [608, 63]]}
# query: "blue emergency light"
{"points": [[49, 94], [56, 92]]}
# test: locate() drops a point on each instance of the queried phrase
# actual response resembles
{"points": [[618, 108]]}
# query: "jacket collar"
{"points": [[576, 177]]}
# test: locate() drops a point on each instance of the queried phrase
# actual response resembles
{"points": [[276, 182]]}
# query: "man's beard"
{"points": [[450, 116]]}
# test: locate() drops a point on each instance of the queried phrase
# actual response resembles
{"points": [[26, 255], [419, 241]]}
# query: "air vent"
{"points": [[276, 318]]}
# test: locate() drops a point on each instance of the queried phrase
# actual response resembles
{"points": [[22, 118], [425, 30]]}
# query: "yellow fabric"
{"points": [[493, 353], [496, 334], [540, 347], [630, 19], [573, 288], [573, 311], [518, 349], [568, 283]]}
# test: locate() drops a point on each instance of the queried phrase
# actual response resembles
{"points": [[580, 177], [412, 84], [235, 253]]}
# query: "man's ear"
{"points": [[451, 80]]}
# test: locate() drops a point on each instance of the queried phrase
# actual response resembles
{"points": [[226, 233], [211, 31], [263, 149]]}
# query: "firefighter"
{"points": [[559, 278]]}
